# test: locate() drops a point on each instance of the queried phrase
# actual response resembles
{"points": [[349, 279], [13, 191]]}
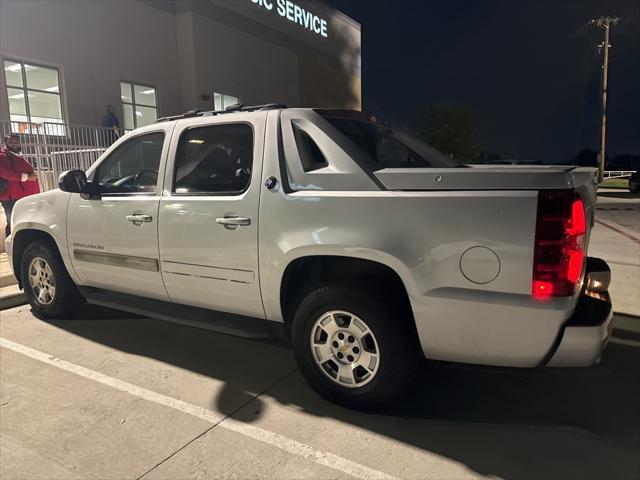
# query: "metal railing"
{"points": [[53, 148], [618, 173]]}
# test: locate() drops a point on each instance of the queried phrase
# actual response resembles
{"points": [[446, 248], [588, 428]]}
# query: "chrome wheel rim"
{"points": [[42, 281], [345, 349]]}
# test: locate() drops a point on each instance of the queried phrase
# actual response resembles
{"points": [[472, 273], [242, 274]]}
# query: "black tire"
{"points": [[66, 297], [396, 342]]}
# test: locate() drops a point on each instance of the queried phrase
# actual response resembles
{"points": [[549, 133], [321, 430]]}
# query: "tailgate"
{"points": [[496, 177]]}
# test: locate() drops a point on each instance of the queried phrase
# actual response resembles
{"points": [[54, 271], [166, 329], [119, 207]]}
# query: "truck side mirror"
{"points": [[73, 181]]}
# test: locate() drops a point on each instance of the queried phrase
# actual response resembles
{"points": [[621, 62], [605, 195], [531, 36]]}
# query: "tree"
{"points": [[586, 158], [450, 127]]}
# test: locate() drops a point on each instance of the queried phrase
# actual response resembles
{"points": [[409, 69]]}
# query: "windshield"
{"points": [[386, 147]]}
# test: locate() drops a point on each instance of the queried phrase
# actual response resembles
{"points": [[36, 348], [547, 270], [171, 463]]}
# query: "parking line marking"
{"points": [[259, 434], [608, 223]]}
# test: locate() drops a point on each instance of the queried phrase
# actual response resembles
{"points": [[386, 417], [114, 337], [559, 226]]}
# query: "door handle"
{"points": [[139, 218], [233, 223]]}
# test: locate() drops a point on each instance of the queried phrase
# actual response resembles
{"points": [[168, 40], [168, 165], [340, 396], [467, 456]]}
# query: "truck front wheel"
{"points": [[46, 282], [351, 348]]}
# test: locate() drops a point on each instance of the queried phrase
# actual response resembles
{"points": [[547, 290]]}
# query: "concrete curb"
{"points": [[7, 280], [12, 300], [6, 275]]}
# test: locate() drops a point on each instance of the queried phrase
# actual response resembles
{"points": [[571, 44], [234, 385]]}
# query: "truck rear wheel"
{"points": [[350, 348], [46, 282]]}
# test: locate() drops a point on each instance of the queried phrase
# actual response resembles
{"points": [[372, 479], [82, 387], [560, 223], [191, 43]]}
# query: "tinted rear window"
{"points": [[311, 156], [389, 148]]}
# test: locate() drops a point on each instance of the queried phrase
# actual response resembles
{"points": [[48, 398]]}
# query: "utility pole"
{"points": [[604, 23]]}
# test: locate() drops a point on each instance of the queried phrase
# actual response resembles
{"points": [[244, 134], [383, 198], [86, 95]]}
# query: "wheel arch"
{"points": [[304, 273], [21, 240]]}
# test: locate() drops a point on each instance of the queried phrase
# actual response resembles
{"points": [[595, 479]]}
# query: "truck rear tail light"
{"points": [[560, 243]]}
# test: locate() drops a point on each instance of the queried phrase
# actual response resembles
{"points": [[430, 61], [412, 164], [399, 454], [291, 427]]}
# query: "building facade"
{"points": [[65, 60]]}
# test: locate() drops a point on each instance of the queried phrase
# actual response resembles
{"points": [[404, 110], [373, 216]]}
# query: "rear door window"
{"points": [[214, 160]]}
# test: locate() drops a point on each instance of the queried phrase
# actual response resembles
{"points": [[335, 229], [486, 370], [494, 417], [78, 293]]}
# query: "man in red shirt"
{"points": [[17, 179]]}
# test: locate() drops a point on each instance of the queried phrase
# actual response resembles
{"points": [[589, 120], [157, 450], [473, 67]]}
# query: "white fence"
{"points": [[53, 148], [618, 173]]}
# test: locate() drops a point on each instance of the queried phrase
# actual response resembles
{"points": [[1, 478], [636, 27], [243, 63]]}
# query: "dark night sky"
{"points": [[527, 68]]}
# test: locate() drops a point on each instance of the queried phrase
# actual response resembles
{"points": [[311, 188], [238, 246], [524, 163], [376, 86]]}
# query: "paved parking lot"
{"points": [[109, 395], [616, 238], [621, 207]]}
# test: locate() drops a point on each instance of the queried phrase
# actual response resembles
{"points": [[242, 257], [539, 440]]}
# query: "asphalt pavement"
{"points": [[616, 238], [109, 395], [619, 206]]}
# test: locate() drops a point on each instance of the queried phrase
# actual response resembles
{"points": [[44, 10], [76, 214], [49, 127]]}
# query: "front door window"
{"points": [[133, 167]]}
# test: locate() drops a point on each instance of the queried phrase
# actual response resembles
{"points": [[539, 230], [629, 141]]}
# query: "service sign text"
{"points": [[296, 14]]}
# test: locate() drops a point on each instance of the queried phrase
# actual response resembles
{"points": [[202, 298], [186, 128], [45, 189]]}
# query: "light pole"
{"points": [[604, 23]]}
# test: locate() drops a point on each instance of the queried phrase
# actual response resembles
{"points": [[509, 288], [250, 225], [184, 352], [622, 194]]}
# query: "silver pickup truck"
{"points": [[370, 250]]}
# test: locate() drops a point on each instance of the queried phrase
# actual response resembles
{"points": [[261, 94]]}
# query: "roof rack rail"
{"points": [[191, 113], [238, 107]]}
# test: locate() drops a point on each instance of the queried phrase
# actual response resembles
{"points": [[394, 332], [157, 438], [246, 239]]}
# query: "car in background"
{"points": [[634, 182]]}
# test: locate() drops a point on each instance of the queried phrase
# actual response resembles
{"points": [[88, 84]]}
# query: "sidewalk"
{"points": [[10, 295], [3, 223]]}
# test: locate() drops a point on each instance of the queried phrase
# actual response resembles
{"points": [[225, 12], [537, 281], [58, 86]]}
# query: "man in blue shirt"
{"points": [[111, 122]]}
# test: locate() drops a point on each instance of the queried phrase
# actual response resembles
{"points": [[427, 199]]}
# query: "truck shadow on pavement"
{"points": [[514, 424]]}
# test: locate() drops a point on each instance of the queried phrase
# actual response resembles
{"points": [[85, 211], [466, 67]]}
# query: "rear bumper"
{"points": [[584, 336], [516, 330]]}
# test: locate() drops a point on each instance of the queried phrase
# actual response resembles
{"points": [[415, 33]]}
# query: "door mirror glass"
{"points": [[73, 181]]}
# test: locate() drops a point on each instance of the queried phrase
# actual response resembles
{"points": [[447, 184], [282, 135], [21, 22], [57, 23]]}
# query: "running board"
{"points": [[221, 322]]}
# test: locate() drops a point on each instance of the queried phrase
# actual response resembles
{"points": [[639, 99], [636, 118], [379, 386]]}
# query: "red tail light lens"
{"points": [[560, 243]]}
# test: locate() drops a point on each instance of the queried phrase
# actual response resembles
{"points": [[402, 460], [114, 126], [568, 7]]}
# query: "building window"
{"points": [[35, 97], [139, 105], [222, 101]]}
